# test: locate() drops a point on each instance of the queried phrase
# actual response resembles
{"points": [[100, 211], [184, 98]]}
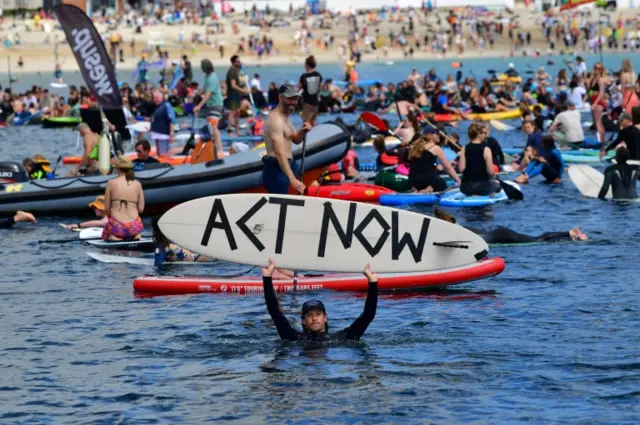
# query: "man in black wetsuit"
{"points": [[621, 178], [5, 223], [314, 315], [503, 235]]}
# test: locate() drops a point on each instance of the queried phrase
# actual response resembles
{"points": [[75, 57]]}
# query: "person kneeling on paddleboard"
{"points": [[5, 223], [503, 235], [314, 316]]}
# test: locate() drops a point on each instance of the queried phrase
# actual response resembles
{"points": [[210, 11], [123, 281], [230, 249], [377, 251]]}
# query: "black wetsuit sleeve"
{"points": [[5, 223], [554, 236], [499, 154], [605, 184], [621, 137], [360, 325], [285, 330]]}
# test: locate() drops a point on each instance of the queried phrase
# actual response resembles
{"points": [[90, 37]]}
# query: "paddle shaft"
{"points": [[67, 240], [443, 134], [304, 153]]}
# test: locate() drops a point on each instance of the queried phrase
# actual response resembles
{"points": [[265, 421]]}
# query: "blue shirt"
{"points": [[535, 140]]}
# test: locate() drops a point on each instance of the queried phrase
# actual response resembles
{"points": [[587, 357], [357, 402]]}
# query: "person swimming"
{"points": [[621, 178], [19, 216], [314, 315], [504, 235]]}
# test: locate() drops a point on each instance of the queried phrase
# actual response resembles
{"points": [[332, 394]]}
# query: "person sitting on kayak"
{"points": [[621, 177], [550, 166], [19, 216], [98, 209], [89, 162], [506, 235], [125, 192], [314, 315], [34, 170], [440, 104], [168, 252], [476, 162], [423, 174]]}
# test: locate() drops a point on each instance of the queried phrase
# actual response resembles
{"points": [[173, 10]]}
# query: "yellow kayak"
{"points": [[502, 79], [503, 115]]}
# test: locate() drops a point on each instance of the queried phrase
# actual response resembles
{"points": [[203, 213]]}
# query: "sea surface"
{"points": [[554, 339]]}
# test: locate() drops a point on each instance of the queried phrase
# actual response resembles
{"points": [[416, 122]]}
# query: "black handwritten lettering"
{"points": [[346, 237], [218, 208], [398, 245], [242, 223], [282, 218], [372, 250]]}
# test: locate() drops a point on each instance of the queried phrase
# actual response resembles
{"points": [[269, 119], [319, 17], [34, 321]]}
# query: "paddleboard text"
{"points": [[218, 219]]}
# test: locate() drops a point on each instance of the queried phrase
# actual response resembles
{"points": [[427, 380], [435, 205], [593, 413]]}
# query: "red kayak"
{"points": [[357, 192], [177, 285]]}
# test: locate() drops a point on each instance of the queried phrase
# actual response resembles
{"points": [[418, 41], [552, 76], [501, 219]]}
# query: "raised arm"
{"points": [[285, 330], [360, 325]]}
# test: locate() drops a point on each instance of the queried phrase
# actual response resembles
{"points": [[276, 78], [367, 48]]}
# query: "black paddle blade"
{"points": [[492, 71], [511, 192]]}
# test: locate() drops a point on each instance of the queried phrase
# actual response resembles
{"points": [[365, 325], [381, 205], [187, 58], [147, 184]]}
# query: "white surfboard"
{"points": [[145, 126], [90, 233], [588, 180], [319, 234]]}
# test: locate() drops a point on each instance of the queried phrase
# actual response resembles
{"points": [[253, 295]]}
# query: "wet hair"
{"points": [[157, 235], [206, 66], [311, 62], [444, 216], [548, 142], [145, 145], [622, 155]]}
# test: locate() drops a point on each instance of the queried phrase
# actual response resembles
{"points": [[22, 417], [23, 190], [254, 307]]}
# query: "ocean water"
{"points": [[553, 339]]}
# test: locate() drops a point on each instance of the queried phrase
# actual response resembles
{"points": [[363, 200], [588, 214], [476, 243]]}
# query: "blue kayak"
{"points": [[455, 198], [361, 83], [25, 120], [397, 199]]}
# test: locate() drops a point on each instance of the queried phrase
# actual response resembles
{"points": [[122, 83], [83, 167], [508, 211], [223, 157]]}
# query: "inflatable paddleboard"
{"points": [[142, 245], [397, 199], [588, 180], [176, 285], [455, 198], [357, 192], [319, 234]]}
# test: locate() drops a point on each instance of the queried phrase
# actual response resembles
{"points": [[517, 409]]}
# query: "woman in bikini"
{"points": [[124, 202], [628, 80], [598, 85]]}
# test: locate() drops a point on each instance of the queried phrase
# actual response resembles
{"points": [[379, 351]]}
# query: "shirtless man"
{"points": [[89, 163], [279, 166], [402, 107]]}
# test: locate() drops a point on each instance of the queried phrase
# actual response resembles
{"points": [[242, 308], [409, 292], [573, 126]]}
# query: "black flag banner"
{"points": [[92, 57]]}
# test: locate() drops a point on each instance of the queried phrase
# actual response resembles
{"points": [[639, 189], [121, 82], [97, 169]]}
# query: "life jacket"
{"points": [[333, 173], [257, 126], [44, 163]]}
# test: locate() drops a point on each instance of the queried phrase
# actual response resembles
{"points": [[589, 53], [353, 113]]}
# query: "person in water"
{"points": [[476, 164], [621, 178], [19, 216], [124, 202], [506, 235], [314, 317], [423, 175], [551, 167], [98, 209], [168, 252]]}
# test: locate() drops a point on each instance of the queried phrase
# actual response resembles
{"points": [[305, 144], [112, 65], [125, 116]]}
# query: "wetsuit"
{"points": [[5, 223], [551, 170], [423, 173], [475, 179], [505, 235], [496, 151], [631, 137], [622, 180], [353, 332]]}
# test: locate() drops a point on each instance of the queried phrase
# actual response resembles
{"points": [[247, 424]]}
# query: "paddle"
{"points": [[55, 167], [443, 134], [375, 121], [511, 191], [304, 153]]}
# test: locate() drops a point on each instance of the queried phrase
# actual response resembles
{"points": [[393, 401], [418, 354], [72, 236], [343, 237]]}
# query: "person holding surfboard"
{"points": [[621, 177], [19, 216], [278, 172], [314, 315]]}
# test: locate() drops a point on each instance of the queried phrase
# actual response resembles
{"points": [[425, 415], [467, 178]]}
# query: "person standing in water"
{"points": [[314, 315], [310, 83], [212, 102], [280, 170], [476, 164], [124, 202], [621, 178]]}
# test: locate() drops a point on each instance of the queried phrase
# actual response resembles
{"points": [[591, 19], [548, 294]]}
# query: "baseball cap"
{"points": [[289, 90], [312, 305], [625, 116], [430, 130]]}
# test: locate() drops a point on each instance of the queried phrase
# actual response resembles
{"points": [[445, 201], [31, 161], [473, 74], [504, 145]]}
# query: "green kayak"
{"points": [[60, 122], [392, 180]]}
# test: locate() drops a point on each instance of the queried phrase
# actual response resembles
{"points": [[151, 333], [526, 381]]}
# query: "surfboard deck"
{"points": [[319, 234], [588, 180]]}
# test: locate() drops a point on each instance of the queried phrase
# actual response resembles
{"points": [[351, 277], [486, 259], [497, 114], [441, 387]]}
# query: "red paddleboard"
{"points": [[356, 192], [177, 285]]}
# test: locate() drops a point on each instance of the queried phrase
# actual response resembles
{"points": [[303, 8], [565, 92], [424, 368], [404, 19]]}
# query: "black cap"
{"points": [[312, 305], [289, 90]]}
